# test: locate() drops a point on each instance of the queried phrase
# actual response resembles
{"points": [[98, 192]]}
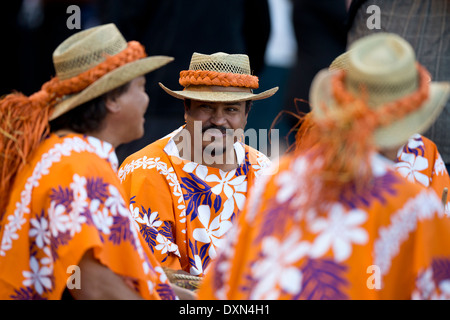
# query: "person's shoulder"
{"points": [[152, 150]]}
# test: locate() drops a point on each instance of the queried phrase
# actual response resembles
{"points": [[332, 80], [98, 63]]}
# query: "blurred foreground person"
{"points": [[65, 230], [418, 160], [338, 221]]}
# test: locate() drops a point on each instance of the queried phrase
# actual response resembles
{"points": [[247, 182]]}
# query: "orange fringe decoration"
{"points": [[213, 78], [25, 120], [340, 145]]}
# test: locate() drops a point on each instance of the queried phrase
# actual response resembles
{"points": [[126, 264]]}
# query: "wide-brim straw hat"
{"points": [[219, 77], [87, 49], [385, 64]]}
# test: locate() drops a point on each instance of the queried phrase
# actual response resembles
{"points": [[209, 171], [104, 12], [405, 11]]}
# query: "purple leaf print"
{"points": [[380, 188], [62, 196], [323, 279], [441, 269]]}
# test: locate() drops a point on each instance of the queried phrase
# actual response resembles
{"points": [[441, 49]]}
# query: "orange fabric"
{"points": [[65, 201], [191, 206], [386, 242], [214, 78], [419, 161], [24, 119]]}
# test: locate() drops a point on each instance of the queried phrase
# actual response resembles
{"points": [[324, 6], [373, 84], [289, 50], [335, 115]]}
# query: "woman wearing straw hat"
{"points": [[64, 223], [337, 221], [191, 184], [418, 159]]}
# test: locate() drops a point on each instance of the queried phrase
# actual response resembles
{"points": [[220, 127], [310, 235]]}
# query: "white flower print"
{"points": [[76, 220], [136, 216], [17, 220], [79, 187], [286, 180], [409, 166], [415, 141], [58, 219], [48, 259], [201, 171], [152, 220], [425, 288], [263, 163], [102, 149], [276, 268], [102, 219], [162, 275], [239, 195], [224, 182], [214, 230], [197, 268], [40, 230], [115, 202], [338, 232], [39, 278], [165, 245], [9, 234], [439, 166]]}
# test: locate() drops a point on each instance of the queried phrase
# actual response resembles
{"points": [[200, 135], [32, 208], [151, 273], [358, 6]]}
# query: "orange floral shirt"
{"points": [[67, 200], [389, 241], [191, 206], [419, 161]]}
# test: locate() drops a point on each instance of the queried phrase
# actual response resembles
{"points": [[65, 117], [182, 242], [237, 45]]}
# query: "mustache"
{"points": [[220, 128]]}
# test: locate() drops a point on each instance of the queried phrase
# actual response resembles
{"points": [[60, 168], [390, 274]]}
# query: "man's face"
{"points": [[218, 121]]}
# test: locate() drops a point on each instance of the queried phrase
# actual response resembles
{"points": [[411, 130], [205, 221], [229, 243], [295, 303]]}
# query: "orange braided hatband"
{"points": [[24, 120], [390, 111], [342, 141], [214, 78]]}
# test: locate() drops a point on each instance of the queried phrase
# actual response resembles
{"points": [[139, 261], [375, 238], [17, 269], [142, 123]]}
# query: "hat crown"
{"points": [[385, 65], [221, 62], [86, 49]]}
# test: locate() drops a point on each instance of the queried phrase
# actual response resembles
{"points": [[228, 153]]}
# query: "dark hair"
{"points": [[89, 116], [248, 105]]}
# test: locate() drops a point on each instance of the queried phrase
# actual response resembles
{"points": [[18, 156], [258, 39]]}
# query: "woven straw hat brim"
{"points": [[217, 96], [110, 81], [397, 133]]}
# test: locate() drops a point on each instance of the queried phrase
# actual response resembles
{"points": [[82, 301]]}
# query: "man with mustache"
{"points": [[191, 184]]}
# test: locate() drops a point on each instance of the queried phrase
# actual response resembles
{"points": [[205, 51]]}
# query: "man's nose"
{"points": [[218, 118]]}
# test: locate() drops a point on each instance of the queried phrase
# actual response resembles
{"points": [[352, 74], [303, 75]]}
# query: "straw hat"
{"points": [[87, 49], [219, 77], [385, 65]]}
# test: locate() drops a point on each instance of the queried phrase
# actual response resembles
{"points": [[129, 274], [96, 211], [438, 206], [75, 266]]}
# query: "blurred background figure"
{"points": [[321, 35], [280, 57], [30, 31], [424, 24]]}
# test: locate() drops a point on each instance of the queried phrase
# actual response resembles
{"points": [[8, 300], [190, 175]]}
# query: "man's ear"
{"points": [[112, 105]]}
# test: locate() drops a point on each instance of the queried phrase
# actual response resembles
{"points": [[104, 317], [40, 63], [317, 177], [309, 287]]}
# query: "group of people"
{"points": [[357, 210]]}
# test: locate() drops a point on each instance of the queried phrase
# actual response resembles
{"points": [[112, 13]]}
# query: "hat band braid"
{"points": [[341, 143], [214, 78], [24, 120], [59, 88], [391, 111]]}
